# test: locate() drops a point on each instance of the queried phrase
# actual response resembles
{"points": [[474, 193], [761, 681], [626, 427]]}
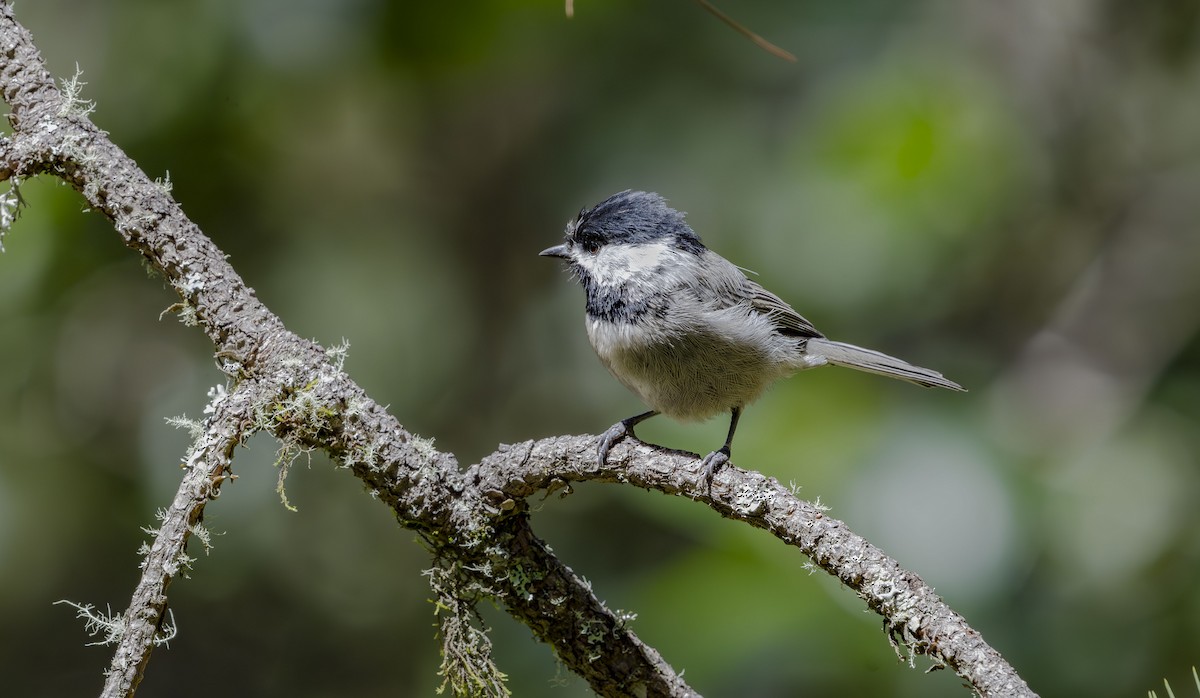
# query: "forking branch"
{"points": [[475, 522]]}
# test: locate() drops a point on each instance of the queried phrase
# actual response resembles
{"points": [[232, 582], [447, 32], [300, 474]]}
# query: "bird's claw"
{"points": [[711, 463], [609, 439]]}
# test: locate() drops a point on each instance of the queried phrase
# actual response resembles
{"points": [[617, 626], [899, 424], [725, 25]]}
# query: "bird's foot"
{"points": [[711, 463], [609, 439], [617, 432]]}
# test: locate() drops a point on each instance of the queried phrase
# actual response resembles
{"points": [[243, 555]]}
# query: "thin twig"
{"points": [[745, 31], [731, 22]]}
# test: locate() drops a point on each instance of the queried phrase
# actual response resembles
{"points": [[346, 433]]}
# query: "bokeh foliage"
{"points": [[1002, 191]]}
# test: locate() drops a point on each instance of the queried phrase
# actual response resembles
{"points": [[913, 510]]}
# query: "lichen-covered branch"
{"points": [[289, 386], [914, 616], [206, 467]]}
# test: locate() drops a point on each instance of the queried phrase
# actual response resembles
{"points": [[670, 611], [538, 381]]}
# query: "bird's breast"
{"points": [[686, 373]]}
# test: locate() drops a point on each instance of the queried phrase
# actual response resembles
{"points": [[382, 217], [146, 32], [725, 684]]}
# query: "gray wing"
{"points": [[724, 285], [786, 320]]}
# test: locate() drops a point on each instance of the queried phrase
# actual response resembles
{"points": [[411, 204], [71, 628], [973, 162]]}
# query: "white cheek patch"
{"points": [[616, 264], [645, 257]]}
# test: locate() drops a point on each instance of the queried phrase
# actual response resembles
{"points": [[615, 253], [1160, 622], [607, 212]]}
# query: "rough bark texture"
{"points": [[474, 522]]}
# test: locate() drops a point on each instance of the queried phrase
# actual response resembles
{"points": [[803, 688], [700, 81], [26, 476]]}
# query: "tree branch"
{"points": [[207, 467], [914, 616], [290, 387]]}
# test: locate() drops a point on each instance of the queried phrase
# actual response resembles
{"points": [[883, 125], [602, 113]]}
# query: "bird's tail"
{"points": [[840, 354]]}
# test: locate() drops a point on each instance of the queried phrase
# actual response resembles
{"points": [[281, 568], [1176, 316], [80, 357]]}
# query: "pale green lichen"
{"points": [[164, 183], [10, 209], [467, 667], [108, 624], [72, 103], [288, 452], [337, 353], [112, 625], [194, 426]]}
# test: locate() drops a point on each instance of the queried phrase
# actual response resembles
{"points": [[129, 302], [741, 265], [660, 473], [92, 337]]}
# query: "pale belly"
{"points": [[688, 377]]}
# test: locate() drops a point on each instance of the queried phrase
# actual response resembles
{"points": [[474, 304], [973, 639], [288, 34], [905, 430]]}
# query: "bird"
{"points": [[684, 329]]}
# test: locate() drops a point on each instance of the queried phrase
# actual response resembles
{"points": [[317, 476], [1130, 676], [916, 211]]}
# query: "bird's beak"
{"points": [[556, 251]]}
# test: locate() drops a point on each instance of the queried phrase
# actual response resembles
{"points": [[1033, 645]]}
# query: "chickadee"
{"points": [[683, 328]]}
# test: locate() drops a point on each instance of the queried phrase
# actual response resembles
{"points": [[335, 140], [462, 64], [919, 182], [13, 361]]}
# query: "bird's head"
{"points": [[627, 233]]}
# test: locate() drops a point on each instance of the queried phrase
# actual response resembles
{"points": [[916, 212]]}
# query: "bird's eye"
{"points": [[589, 242]]}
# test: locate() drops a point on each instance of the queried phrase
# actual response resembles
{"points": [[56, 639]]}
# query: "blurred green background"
{"points": [[1007, 192]]}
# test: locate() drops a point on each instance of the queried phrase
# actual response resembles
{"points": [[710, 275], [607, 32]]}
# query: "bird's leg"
{"points": [[617, 432], [713, 461]]}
